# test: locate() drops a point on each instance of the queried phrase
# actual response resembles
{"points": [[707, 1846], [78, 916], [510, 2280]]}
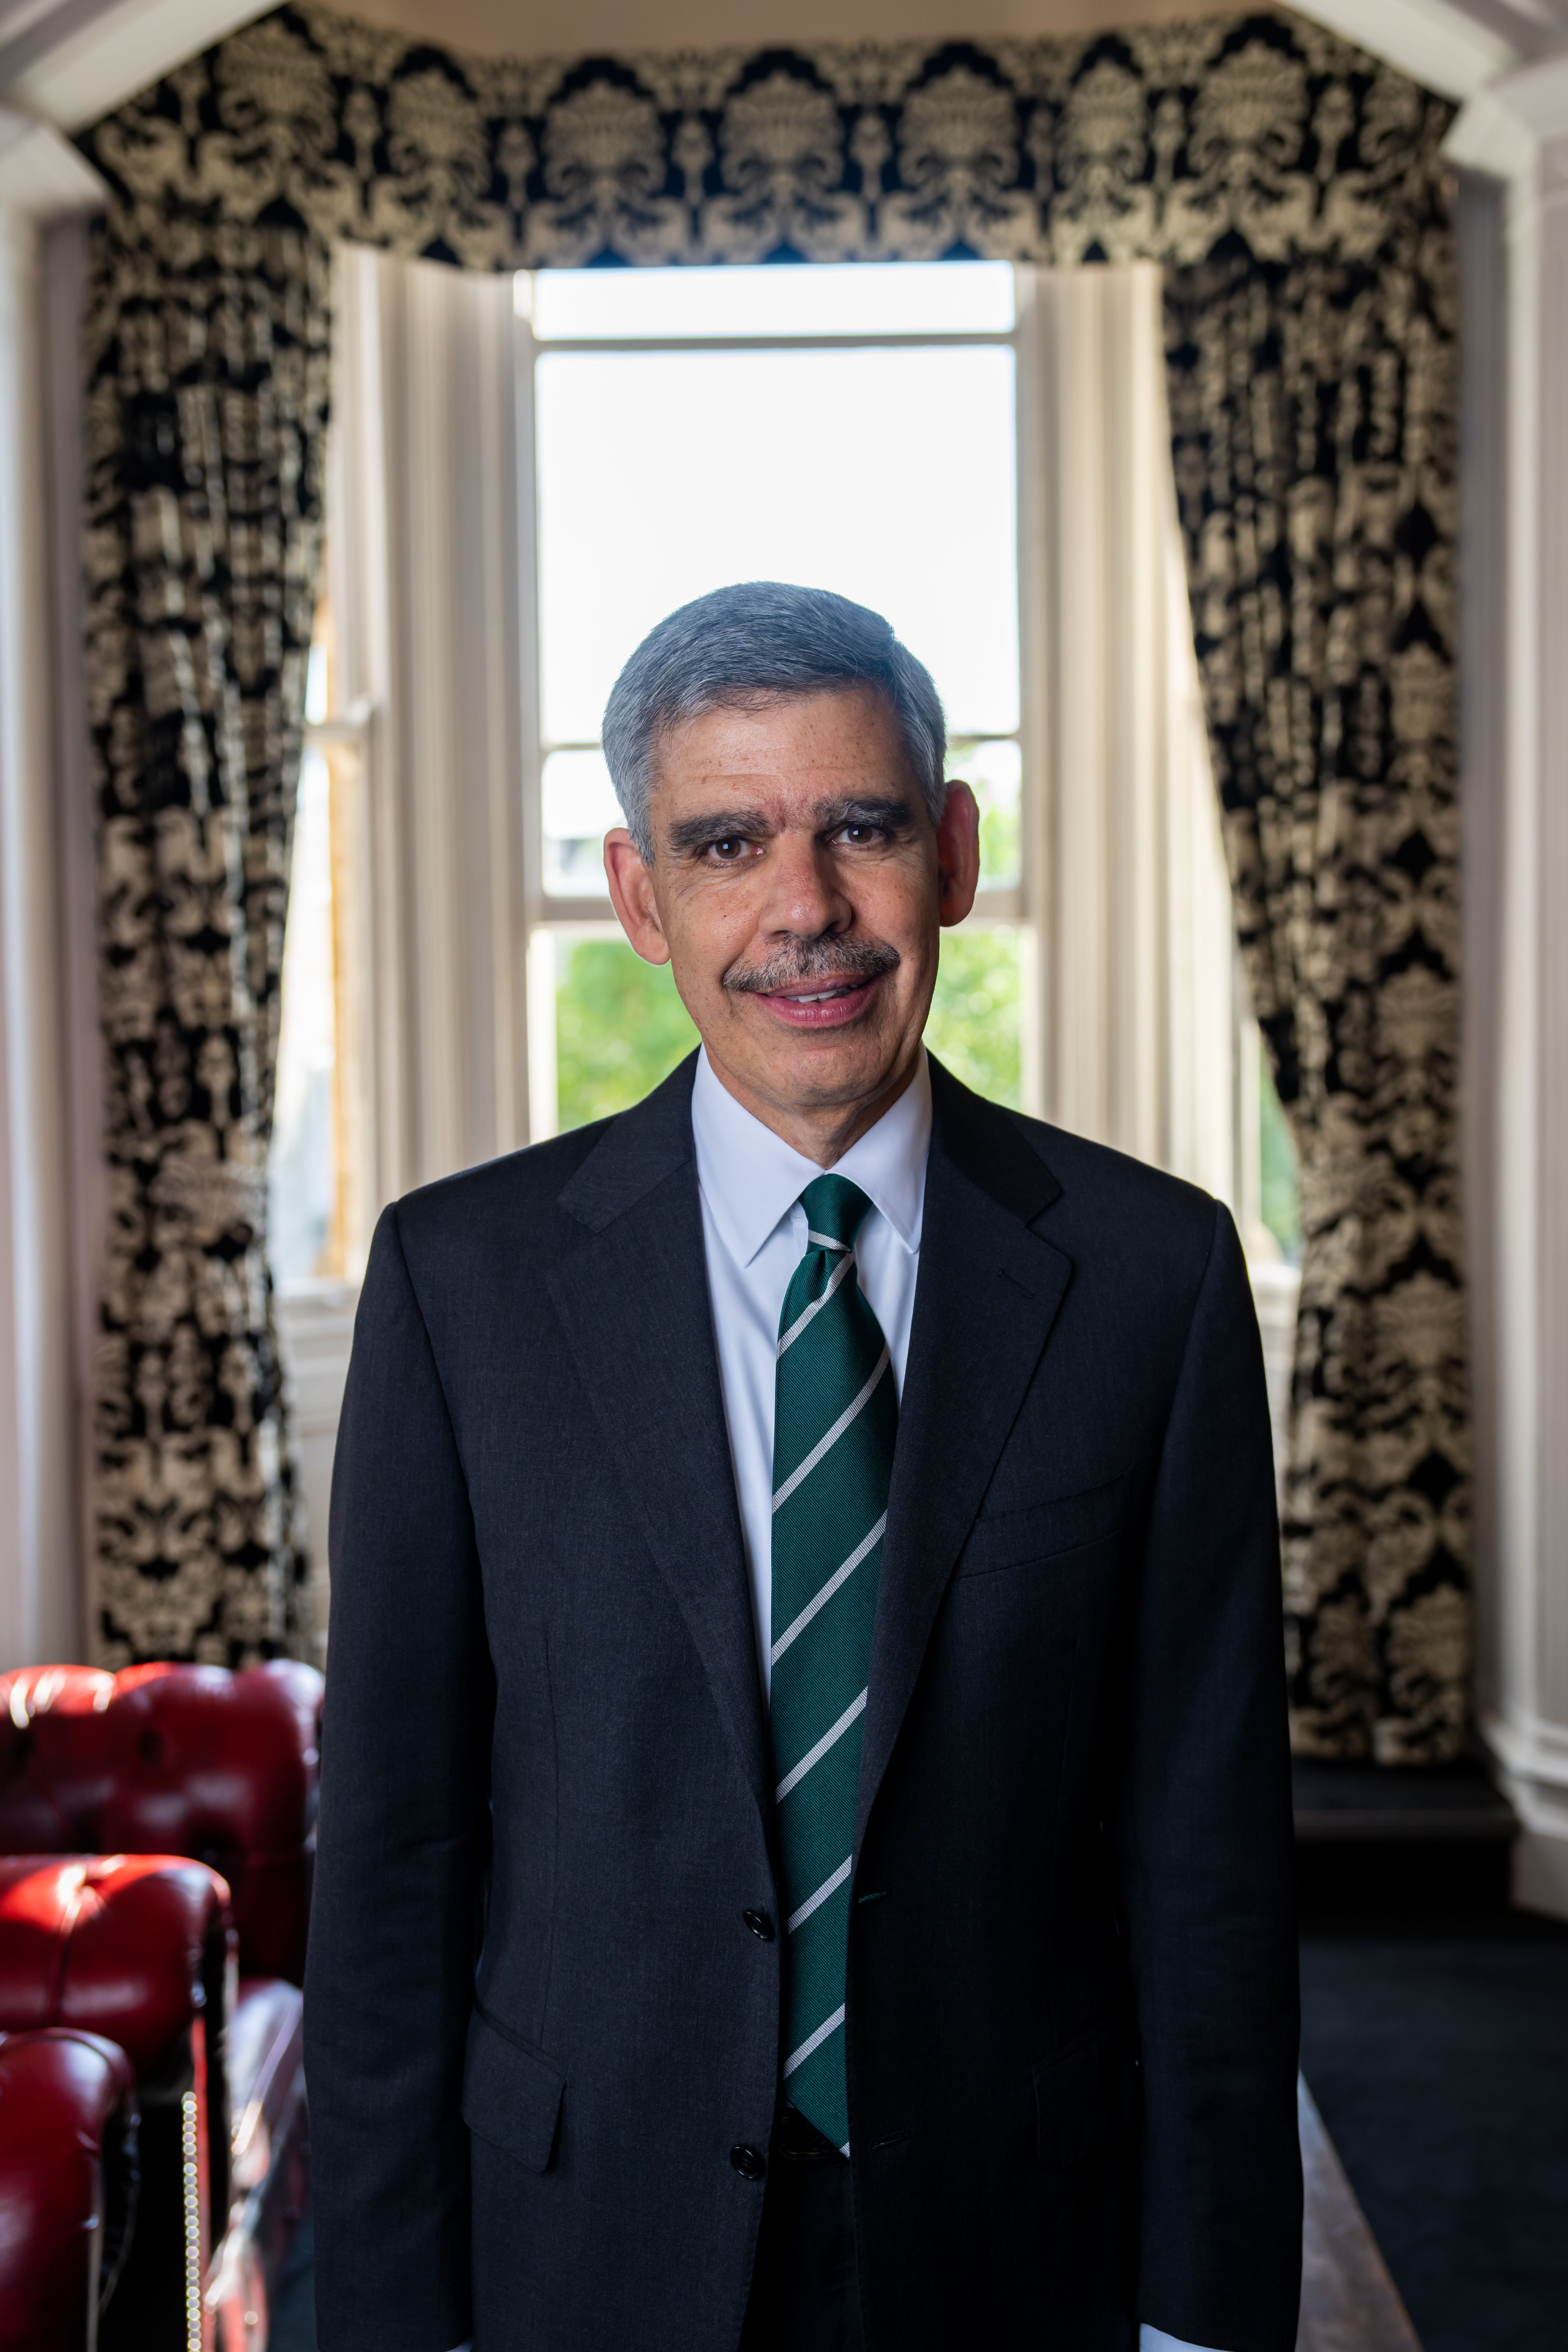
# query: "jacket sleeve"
{"points": [[403, 1844], [1205, 1855]]}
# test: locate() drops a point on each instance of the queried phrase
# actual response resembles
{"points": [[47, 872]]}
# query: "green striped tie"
{"points": [[836, 1417]]}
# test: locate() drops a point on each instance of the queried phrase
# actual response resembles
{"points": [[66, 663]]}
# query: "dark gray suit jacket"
{"points": [[537, 2024]]}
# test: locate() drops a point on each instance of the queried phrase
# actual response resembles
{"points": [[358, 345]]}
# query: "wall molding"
{"points": [[42, 181], [74, 60], [1454, 50], [1517, 134]]}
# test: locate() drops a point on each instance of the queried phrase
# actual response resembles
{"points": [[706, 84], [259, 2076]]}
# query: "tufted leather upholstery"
{"points": [[68, 2179], [139, 1948], [132, 1770], [174, 1760], [133, 1947]]}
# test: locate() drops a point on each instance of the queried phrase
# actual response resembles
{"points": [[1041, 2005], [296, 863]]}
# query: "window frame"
{"points": [[435, 395], [366, 726]]}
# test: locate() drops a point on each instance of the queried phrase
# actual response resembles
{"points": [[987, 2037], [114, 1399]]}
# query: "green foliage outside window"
{"points": [[1000, 842], [1281, 1205], [620, 1027], [976, 1026], [991, 769]]}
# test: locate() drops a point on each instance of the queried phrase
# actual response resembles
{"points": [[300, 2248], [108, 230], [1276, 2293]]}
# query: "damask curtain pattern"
{"points": [[1312, 413], [1289, 185], [207, 363]]}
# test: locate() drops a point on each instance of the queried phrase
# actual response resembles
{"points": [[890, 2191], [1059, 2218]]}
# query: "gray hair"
{"points": [[760, 641]]}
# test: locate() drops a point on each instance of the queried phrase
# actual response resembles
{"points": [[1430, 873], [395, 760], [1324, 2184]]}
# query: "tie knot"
{"points": [[835, 1211]]}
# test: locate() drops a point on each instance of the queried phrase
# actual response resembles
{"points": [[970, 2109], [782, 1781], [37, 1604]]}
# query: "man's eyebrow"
{"points": [[692, 832], [891, 816]]}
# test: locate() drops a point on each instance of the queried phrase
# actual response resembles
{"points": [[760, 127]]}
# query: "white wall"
{"points": [[40, 1485], [1516, 787]]}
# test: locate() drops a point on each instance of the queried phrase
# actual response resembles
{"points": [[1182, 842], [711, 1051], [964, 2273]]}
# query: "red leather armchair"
{"points": [[170, 1760], [138, 1950], [68, 2183], [174, 1760]]}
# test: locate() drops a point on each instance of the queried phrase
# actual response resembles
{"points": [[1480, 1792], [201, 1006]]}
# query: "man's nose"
{"points": [[806, 895]]}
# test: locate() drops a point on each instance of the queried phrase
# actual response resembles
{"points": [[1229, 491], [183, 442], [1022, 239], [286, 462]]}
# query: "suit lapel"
{"points": [[635, 1306], [988, 1293]]}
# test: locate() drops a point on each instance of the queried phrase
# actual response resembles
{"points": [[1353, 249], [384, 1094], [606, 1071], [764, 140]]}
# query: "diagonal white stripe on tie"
{"points": [[815, 1755], [825, 1445], [821, 1599], [813, 2040], [799, 1325], [815, 1902]]}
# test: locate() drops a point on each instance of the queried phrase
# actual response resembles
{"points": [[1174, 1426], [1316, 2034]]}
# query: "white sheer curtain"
{"points": [[423, 569], [1128, 888], [1142, 1039], [423, 737]]}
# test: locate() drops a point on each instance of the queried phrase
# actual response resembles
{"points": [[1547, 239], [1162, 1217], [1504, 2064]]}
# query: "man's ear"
{"points": [[957, 854], [631, 894]]}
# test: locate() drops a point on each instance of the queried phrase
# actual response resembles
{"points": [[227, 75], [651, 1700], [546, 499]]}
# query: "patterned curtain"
{"points": [[1288, 184], [1312, 407], [207, 372]]}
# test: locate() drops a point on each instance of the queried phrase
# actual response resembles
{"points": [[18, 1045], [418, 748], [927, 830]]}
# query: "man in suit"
{"points": [[806, 1834]]}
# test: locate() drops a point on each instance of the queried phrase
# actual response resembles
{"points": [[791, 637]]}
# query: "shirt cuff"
{"points": [[1151, 2339]]}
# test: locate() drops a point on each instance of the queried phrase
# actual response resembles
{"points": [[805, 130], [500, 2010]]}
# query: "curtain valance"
{"points": [[1162, 143], [1291, 187]]}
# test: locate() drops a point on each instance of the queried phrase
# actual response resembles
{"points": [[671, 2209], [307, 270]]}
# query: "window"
{"points": [[851, 428], [523, 476]]}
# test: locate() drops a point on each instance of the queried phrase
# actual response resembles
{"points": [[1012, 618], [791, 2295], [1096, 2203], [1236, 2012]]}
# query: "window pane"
{"points": [[579, 808], [888, 476], [855, 299], [301, 1172], [976, 1026], [995, 771], [619, 1028]]}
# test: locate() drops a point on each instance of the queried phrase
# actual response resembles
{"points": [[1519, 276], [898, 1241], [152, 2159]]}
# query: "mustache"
{"points": [[826, 961]]}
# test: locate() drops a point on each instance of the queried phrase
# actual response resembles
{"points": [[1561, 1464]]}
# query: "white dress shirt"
{"points": [[754, 1232], [753, 1228]]}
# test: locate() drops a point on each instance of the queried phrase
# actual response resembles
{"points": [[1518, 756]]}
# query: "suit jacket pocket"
{"points": [[1085, 2093], [1065, 1523], [512, 2093]]}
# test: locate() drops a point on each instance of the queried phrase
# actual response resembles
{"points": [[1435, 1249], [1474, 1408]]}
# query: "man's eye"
{"points": [[858, 833], [728, 850]]}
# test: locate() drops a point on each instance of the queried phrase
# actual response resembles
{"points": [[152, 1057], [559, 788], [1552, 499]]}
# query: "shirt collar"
{"points": [[751, 1179]]}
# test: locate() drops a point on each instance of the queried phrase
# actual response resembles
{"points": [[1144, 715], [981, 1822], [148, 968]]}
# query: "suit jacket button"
{"points": [[760, 1925], [749, 2162]]}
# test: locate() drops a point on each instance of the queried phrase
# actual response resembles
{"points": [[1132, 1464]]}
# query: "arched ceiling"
{"points": [[579, 27]]}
